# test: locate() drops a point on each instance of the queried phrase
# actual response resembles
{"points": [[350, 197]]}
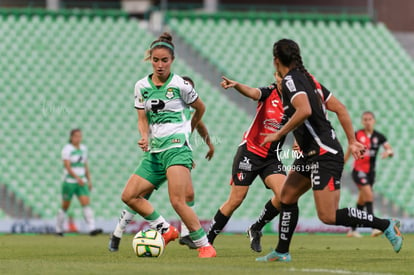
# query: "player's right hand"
{"points": [[227, 83], [80, 181], [357, 149], [143, 144]]}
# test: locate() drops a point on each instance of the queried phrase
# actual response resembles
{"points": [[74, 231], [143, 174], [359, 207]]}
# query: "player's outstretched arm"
{"points": [[245, 90], [334, 105]]}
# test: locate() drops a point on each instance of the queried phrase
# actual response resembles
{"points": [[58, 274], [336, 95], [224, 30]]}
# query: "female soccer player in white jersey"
{"points": [[128, 214], [305, 106], [163, 101], [76, 181]]}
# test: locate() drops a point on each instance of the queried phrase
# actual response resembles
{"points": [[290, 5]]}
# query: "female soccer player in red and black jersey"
{"points": [[363, 173], [322, 165], [252, 160]]}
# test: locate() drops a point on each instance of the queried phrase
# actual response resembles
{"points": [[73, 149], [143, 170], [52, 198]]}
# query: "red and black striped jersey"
{"points": [[373, 143], [269, 118]]}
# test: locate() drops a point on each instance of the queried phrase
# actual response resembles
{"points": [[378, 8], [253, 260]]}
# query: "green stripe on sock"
{"points": [[153, 216], [196, 235], [190, 203]]}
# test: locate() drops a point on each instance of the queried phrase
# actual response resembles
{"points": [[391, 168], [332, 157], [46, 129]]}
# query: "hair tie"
{"points": [[162, 44]]}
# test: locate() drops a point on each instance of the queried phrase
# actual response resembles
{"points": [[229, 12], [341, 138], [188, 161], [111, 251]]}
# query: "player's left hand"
{"points": [[90, 186], [387, 154], [269, 138], [210, 152]]}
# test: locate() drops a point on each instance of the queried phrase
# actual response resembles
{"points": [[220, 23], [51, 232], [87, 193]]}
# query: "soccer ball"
{"points": [[148, 243]]}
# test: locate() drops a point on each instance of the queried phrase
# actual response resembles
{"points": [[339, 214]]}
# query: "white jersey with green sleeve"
{"points": [[77, 158], [168, 111]]}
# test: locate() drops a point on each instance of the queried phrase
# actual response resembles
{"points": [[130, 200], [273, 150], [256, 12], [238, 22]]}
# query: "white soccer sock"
{"points": [[184, 230], [60, 220], [124, 220], [88, 215], [203, 241], [159, 224]]}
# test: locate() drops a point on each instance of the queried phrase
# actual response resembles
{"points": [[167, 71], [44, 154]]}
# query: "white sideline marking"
{"points": [[334, 271]]}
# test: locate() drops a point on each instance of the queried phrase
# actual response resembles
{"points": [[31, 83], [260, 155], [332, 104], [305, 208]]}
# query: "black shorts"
{"points": [[321, 171], [247, 165], [362, 178]]}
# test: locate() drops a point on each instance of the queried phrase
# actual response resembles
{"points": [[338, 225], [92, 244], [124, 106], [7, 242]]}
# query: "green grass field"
{"points": [[311, 253]]}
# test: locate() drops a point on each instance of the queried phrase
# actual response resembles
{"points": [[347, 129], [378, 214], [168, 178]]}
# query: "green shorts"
{"points": [[70, 189], [153, 166]]}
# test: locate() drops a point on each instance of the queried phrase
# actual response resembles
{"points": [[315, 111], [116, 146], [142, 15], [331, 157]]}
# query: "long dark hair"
{"points": [[288, 52]]}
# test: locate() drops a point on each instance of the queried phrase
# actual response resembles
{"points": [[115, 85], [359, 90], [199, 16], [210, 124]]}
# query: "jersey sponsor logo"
{"points": [[145, 94], [271, 124], [241, 176], [157, 105], [274, 102], [245, 164], [176, 140], [169, 94], [193, 95]]}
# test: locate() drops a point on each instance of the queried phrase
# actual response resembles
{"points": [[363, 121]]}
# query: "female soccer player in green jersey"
{"points": [[127, 215], [76, 181], [163, 101]]}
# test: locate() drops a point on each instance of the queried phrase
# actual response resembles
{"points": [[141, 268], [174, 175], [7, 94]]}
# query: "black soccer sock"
{"points": [[218, 223], [369, 207], [269, 212], [288, 220], [358, 218], [359, 207]]}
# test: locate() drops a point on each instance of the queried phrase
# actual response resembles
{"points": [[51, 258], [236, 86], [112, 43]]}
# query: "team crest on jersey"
{"points": [[375, 140], [170, 93], [363, 139]]}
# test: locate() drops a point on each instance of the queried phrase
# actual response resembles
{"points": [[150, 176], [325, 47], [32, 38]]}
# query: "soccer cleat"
{"points": [[254, 236], [95, 232], [113, 245], [207, 252], [275, 257], [393, 234], [186, 240], [170, 235], [376, 233], [353, 233], [59, 234]]}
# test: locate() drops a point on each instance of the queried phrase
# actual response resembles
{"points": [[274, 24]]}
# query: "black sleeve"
{"points": [[381, 138], [266, 91], [290, 87], [325, 93]]}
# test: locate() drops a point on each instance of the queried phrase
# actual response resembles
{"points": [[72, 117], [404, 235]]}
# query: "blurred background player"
{"points": [[128, 214], [165, 123], [76, 181], [363, 173], [252, 160]]}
